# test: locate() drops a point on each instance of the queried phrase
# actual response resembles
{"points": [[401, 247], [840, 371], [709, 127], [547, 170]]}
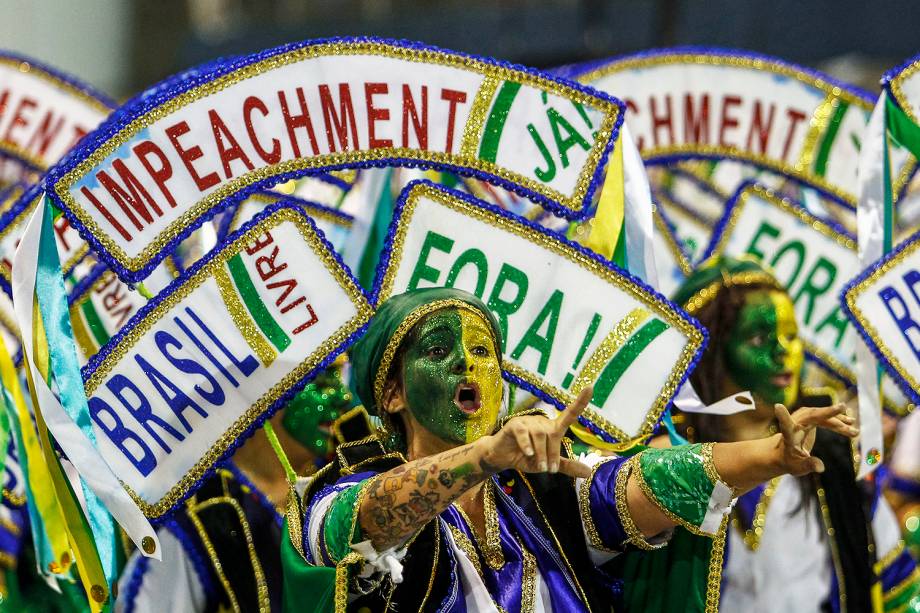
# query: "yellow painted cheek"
{"points": [[486, 374], [787, 328]]}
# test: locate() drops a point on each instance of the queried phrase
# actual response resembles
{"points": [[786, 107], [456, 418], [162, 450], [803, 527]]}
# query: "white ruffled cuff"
{"points": [[388, 561]]}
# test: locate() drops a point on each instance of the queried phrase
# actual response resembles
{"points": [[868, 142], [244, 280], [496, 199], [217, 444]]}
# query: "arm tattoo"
{"points": [[401, 501]]}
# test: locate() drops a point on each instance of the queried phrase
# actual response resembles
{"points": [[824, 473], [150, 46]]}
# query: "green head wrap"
{"points": [[704, 283], [373, 354]]}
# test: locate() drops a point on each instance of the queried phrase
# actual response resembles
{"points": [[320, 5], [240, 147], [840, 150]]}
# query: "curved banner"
{"points": [[177, 154], [719, 103], [569, 318], [672, 259], [333, 223], [44, 113], [205, 362], [810, 256], [883, 302], [71, 246]]}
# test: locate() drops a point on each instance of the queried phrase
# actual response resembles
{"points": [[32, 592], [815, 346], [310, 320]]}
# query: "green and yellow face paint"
{"points": [[764, 353], [452, 376]]}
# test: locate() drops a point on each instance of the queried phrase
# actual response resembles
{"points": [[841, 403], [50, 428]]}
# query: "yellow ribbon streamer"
{"points": [[78, 532], [39, 483], [608, 219]]}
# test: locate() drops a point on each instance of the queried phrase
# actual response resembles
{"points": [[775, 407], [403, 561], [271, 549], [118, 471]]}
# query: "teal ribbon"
{"points": [[673, 434], [65, 369]]}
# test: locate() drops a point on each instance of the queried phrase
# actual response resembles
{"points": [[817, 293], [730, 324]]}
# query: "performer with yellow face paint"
{"points": [[819, 542], [461, 511]]}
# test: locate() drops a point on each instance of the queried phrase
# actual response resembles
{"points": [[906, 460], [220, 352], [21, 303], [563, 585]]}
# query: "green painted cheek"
{"points": [[752, 366], [310, 413], [430, 384]]}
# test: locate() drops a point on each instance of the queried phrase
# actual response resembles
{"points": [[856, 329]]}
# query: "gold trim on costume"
{"points": [[752, 535]]}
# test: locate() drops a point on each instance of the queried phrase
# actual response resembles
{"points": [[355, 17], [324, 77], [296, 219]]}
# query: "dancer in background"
{"points": [[813, 542], [221, 548]]}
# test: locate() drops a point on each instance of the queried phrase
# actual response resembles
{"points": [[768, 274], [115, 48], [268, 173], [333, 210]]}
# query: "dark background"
{"points": [[854, 40]]}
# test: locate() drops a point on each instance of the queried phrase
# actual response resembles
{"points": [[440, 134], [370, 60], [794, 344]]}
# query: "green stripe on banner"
{"points": [[624, 359], [902, 129], [254, 304], [829, 136], [488, 149], [94, 323]]}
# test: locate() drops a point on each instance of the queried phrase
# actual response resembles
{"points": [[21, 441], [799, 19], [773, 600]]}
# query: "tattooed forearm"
{"points": [[401, 501]]}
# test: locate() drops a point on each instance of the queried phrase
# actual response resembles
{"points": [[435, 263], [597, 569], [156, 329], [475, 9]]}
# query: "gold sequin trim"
{"points": [[243, 422], [14, 498], [758, 64], [709, 467], [573, 201], [635, 536], [466, 545], [910, 581], [716, 562], [835, 552], [889, 558], [656, 306], [7, 560], [528, 579], [269, 199], [670, 242], [477, 117], [242, 319], [817, 126], [608, 348], [389, 352], [492, 548], [752, 535]]}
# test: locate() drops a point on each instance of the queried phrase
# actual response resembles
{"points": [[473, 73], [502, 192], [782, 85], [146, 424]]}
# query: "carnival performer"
{"points": [[806, 542], [465, 511], [221, 549]]}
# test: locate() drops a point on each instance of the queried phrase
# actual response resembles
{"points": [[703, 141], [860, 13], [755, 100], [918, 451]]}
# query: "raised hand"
{"points": [[798, 434], [533, 443]]}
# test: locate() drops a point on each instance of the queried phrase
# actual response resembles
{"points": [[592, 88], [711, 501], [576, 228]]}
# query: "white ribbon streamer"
{"points": [[870, 233], [86, 459]]}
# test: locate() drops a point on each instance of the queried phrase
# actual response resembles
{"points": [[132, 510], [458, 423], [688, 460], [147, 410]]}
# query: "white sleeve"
{"points": [[151, 586]]}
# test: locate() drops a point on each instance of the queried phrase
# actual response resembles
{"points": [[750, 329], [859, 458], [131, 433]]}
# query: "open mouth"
{"points": [[467, 398], [782, 379]]}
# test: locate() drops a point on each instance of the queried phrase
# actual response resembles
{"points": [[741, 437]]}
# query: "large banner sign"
{"points": [[811, 257], [174, 156], [691, 102], [569, 318], [884, 304], [71, 247], [44, 113], [200, 366]]}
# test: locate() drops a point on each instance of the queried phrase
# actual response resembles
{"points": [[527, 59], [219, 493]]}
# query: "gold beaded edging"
{"points": [[885, 561], [671, 243], [852, 294], [636, 538], [716, 563], [573, 202], [752, 535], [797, 170], [269, 199], [666, 313], [245, 420], [895, 86]]}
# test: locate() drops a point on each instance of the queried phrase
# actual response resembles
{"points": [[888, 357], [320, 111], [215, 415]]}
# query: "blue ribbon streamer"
{"points": [[65, 368]]}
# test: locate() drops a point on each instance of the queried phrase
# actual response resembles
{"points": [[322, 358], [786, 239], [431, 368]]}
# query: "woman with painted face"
{"points": [[459, 509], [816, 542]]}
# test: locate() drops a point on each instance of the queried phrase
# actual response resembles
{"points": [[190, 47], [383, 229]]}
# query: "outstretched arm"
{"points": [[399, 502], [743, 465]]}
